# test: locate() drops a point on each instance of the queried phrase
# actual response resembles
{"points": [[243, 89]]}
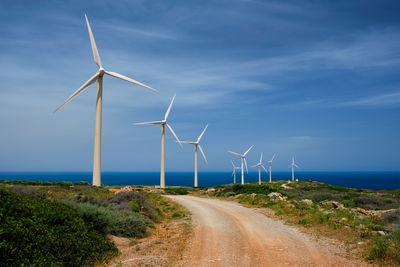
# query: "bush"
{"points": [[145, 205], [44, 233], [81, 183], [252, 188], [176, 190], [107, 220], [378, 248]]}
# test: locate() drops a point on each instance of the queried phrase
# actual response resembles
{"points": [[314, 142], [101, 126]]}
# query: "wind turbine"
{"points": [[163, 123], [234, 172], [259, 165], [270, 167], [292, 165], [98, 76], [243, 158], [197, 145]]}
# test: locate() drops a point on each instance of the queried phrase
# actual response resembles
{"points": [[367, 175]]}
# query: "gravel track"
{"points": [[228, 234]]}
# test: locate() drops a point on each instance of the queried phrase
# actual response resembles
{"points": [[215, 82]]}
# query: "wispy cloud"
{"points": [[379, 100]]}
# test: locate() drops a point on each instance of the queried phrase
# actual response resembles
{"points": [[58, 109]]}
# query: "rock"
{"points": [[253, 195], [344, 219], [275, 196], [335, 204], [362, 226], [211, 190], [382, 233], [360, 243], [238, 195], [307, 202]]}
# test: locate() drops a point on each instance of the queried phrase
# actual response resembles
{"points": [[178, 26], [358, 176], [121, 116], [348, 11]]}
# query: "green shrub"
{"points": [[252, 188], [81, 183], [135, 206], [107, 220], [44, 233], [176, 191], [378, 248]]}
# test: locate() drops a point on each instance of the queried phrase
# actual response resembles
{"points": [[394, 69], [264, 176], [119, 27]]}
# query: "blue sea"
{"points": [[368, 180]]}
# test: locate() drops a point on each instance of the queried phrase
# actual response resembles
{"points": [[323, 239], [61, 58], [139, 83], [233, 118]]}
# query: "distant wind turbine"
{"points": [[163, 123], [197, 145], [98, 76], [270, 167], [292, 165], [243, 158], [234, 172], [259, 165]]}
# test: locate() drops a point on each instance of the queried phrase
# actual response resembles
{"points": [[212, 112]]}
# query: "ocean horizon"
{"points": [[354, 179]]}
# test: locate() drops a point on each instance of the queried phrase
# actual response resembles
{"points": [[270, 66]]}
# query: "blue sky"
{"points": [[315, 79]]}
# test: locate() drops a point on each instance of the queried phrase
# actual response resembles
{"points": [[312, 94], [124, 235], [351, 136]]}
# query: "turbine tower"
{"points": [[243, 159], [270, 168], [259, 165], [163, 123], [234, 172], [292, 165], [197, 145], [98, 76]]}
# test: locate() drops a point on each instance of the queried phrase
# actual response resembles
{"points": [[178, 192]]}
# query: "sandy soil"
{"points": [[228, 234]]}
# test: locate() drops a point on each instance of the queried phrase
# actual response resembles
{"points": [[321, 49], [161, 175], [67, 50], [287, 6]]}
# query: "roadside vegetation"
{"points": [[60, 223], [366, 220]]}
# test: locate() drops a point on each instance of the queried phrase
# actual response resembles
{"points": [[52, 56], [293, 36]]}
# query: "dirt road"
{"points": [[228, 234]]}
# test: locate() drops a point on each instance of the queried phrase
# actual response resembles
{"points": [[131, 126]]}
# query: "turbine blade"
{"points": [[187, 142], [245, 163], [148, 123], [296, 166], [254, 166], [237, 154], [169, 108], [261, 158], [173, 133], [93, 43], [233, 172], [264, 168], [273, 157], [245, 153], [81, 89], [201, 135], [233, 164], [202, 152], [120, 76]]}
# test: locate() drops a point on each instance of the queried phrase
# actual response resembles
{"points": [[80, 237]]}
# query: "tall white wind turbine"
{"points": [[234, 172], [292, 165], [243, 159], [259, 165], [270, 168], [98, 76], [163, 123], [197, 145]]}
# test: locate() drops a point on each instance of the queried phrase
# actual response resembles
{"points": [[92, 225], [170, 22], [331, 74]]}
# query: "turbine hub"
{"points": [[101, 71]]}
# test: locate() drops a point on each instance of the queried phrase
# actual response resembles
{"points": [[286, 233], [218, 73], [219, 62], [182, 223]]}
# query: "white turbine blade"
{"points": [[187, 142], [233, 172], [173, 133], [273, 157], [201, 135], [245, 163], [296, 166], [237, 154], [120, 76], [233, 165], [245, 153], [202, 152], [254, 166], [169, 108], [148, 123], [261, 157], [82, 88], [93, 43], [264, 168]]}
